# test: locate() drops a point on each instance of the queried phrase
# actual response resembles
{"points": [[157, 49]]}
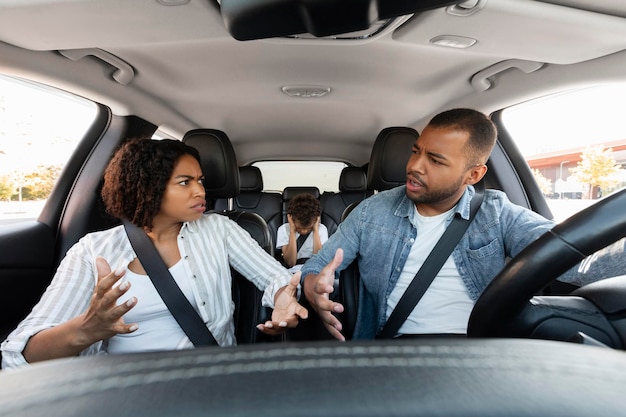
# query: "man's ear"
{"points": [[476, 173]]}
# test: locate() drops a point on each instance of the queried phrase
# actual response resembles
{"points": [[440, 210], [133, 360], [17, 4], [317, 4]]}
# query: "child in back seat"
{"points": [[303, 235]]}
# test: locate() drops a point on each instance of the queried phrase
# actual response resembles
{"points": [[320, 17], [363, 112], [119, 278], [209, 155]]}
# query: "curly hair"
{"points": [[136, 177], [304, 208]]}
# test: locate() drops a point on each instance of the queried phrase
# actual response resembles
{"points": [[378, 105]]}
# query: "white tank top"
{"points": [[158, 330]]}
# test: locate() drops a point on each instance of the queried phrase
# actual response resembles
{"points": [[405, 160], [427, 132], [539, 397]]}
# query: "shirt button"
{"points": [[412, 240], [194, 277], [186, 256], [398, 269], [204, 303]]}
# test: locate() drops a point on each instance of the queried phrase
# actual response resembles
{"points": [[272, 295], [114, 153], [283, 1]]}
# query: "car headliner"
{"points": [[185, 71]]}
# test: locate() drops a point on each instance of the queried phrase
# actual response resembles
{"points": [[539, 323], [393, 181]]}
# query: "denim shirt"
{"points": [[381, 230]]}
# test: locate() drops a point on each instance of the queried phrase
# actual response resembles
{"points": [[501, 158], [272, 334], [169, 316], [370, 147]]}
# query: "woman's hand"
{"points": [[104, 318], [287, 310]]}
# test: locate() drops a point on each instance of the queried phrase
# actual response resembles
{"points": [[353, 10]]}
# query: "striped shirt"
{"points": [[208, 247]]}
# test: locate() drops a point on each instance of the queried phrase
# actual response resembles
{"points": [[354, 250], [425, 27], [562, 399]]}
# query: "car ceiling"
{"points": [[186, 71]]}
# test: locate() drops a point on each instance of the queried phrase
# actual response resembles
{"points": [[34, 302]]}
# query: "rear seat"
{"points": [[352, 189], [253, 199]]}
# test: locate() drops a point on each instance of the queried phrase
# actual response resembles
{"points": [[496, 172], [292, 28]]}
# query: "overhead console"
{"points": [[260, 19]]}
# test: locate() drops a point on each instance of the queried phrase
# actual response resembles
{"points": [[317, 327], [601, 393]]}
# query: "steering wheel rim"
{"points": [[545, 260]]}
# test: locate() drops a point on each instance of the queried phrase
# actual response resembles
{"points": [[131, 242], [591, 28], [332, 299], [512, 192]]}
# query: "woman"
{"points": [[91, 309]]}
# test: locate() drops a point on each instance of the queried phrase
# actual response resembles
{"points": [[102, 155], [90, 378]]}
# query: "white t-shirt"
{"points": [[446, 305], [158, 330]]}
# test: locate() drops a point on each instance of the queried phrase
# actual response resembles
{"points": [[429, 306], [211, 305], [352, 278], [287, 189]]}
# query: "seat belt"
{"points": [[180, 307], [433, 263], [299, 242]]}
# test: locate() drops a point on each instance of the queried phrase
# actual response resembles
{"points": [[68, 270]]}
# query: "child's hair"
{"points": [[304, 208]]}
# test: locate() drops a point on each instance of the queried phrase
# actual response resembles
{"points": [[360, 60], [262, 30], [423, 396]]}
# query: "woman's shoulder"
{"points": [[101, 242], [115, 232]]}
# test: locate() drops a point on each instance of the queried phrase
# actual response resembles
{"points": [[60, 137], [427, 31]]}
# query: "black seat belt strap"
{"points": [[300, 241], [180, 307], [431, 266]]}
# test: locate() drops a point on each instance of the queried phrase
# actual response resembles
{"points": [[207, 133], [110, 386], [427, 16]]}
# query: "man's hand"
{"points": [[287, 310], [317, 289]]}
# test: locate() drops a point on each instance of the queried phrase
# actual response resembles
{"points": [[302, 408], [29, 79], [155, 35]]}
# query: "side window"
{"points": [[575, 144], [39, 129]]}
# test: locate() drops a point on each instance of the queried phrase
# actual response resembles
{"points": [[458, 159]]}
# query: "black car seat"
{"points": [[220, 169], [386, 170], [253, 199], [352, 189]]}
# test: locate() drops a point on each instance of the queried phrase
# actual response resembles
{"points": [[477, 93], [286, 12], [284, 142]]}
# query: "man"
{"points": [[392, 233]]}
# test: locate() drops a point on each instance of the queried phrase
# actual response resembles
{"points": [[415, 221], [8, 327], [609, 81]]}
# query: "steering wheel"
{"points": [[544, 260]]}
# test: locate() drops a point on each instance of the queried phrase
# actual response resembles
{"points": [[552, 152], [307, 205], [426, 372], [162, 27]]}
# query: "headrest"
{"points": [[390, 154], [291, 192], [218, 162], [352, 179], [250, 179]]}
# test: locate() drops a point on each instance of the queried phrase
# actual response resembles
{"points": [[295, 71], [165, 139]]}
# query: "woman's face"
{"points": [[184, 195]]}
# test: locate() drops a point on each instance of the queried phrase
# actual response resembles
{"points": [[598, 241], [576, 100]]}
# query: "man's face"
{"points": [[437, 171]]}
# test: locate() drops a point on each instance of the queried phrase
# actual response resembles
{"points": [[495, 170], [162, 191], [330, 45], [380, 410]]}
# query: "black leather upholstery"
{"points": [[219, 166], [253, 199], [218, 161], [352, 189], [391, 151]]}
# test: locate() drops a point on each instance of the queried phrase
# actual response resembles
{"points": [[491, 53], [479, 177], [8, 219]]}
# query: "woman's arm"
{"points": [[102, 320]]}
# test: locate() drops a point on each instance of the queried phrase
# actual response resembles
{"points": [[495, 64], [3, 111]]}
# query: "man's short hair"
{"points": [[482, 131]]}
